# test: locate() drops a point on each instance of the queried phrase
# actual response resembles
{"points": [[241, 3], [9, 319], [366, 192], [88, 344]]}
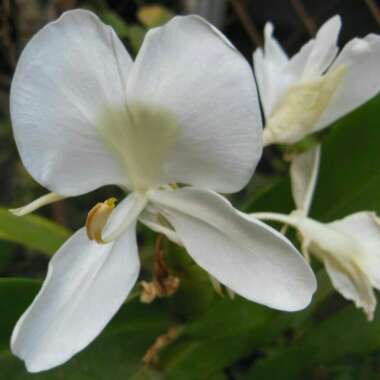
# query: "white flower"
{"points": [[85, 115], [349, 247], [307, 92]]}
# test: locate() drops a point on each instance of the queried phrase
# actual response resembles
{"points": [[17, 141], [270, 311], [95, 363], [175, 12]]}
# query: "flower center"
{"points": [[300, 108], [141, 137]]}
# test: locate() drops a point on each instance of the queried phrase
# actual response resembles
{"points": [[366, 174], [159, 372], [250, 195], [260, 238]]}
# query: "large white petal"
{"points": [[364, 227], [303, 174], [66, 76], [361, 81], [247, 256], [85, 286], [188, 72]]}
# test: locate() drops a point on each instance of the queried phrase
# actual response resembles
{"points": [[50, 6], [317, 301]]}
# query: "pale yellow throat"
{"points": [[299, 109], [141, 137]]}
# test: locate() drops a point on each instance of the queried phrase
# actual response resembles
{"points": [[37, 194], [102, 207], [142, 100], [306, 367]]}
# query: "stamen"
{"points": [[36, 204], [97, 219]]}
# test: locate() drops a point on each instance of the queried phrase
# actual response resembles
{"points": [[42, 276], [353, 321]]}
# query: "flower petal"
{"points": [[123, 216], [361, 81], [316, 56], [155, 223], [187, 69], [68, 73], [364, 227], [270, 66], [275, 73], [353, 284], [36, 204], [338, 245], [303, 173], [247, 256], [85, 286]]}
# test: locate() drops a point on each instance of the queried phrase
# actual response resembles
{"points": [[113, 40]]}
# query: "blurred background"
{"points": [[216, 338]]}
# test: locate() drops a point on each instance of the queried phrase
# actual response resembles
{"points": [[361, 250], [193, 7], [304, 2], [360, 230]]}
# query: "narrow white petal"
{"points": [[188, 71], [364, 227], [85, 286], [361, 81], [303, 174], [270, 65], [247, 256], [352, 283], [36, 204], [154, 222], [340, 246], [70, 72], [324, 49], [123, 216]]}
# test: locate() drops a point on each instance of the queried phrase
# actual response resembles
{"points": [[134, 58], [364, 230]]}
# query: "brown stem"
{"points": [[374, 9], [5, 33], [247, 23], [306, 19]]}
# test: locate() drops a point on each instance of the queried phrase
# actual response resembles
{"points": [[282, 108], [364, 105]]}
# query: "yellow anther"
{"points": [[111, 202], [97, 219]]}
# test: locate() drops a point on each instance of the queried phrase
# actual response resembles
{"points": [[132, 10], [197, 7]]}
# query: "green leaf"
{"points": [[348, 182], [154, 15], [133, 33], [32, 231], [344, 334], [350, 177], [15, 296]]}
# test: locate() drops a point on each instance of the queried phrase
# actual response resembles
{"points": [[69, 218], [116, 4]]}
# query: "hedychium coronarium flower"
{"points": [[172, 129], [349, 248], [307, 92]]}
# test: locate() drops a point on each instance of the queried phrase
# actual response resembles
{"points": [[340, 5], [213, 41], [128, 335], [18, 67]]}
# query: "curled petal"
{"points": [[36, 204], [349, 280], [364, 227], [303, 174]]}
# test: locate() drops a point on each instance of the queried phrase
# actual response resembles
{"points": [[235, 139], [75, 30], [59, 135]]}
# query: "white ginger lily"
{"points": [[85, 115], [307, 92], [348, 247]]}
